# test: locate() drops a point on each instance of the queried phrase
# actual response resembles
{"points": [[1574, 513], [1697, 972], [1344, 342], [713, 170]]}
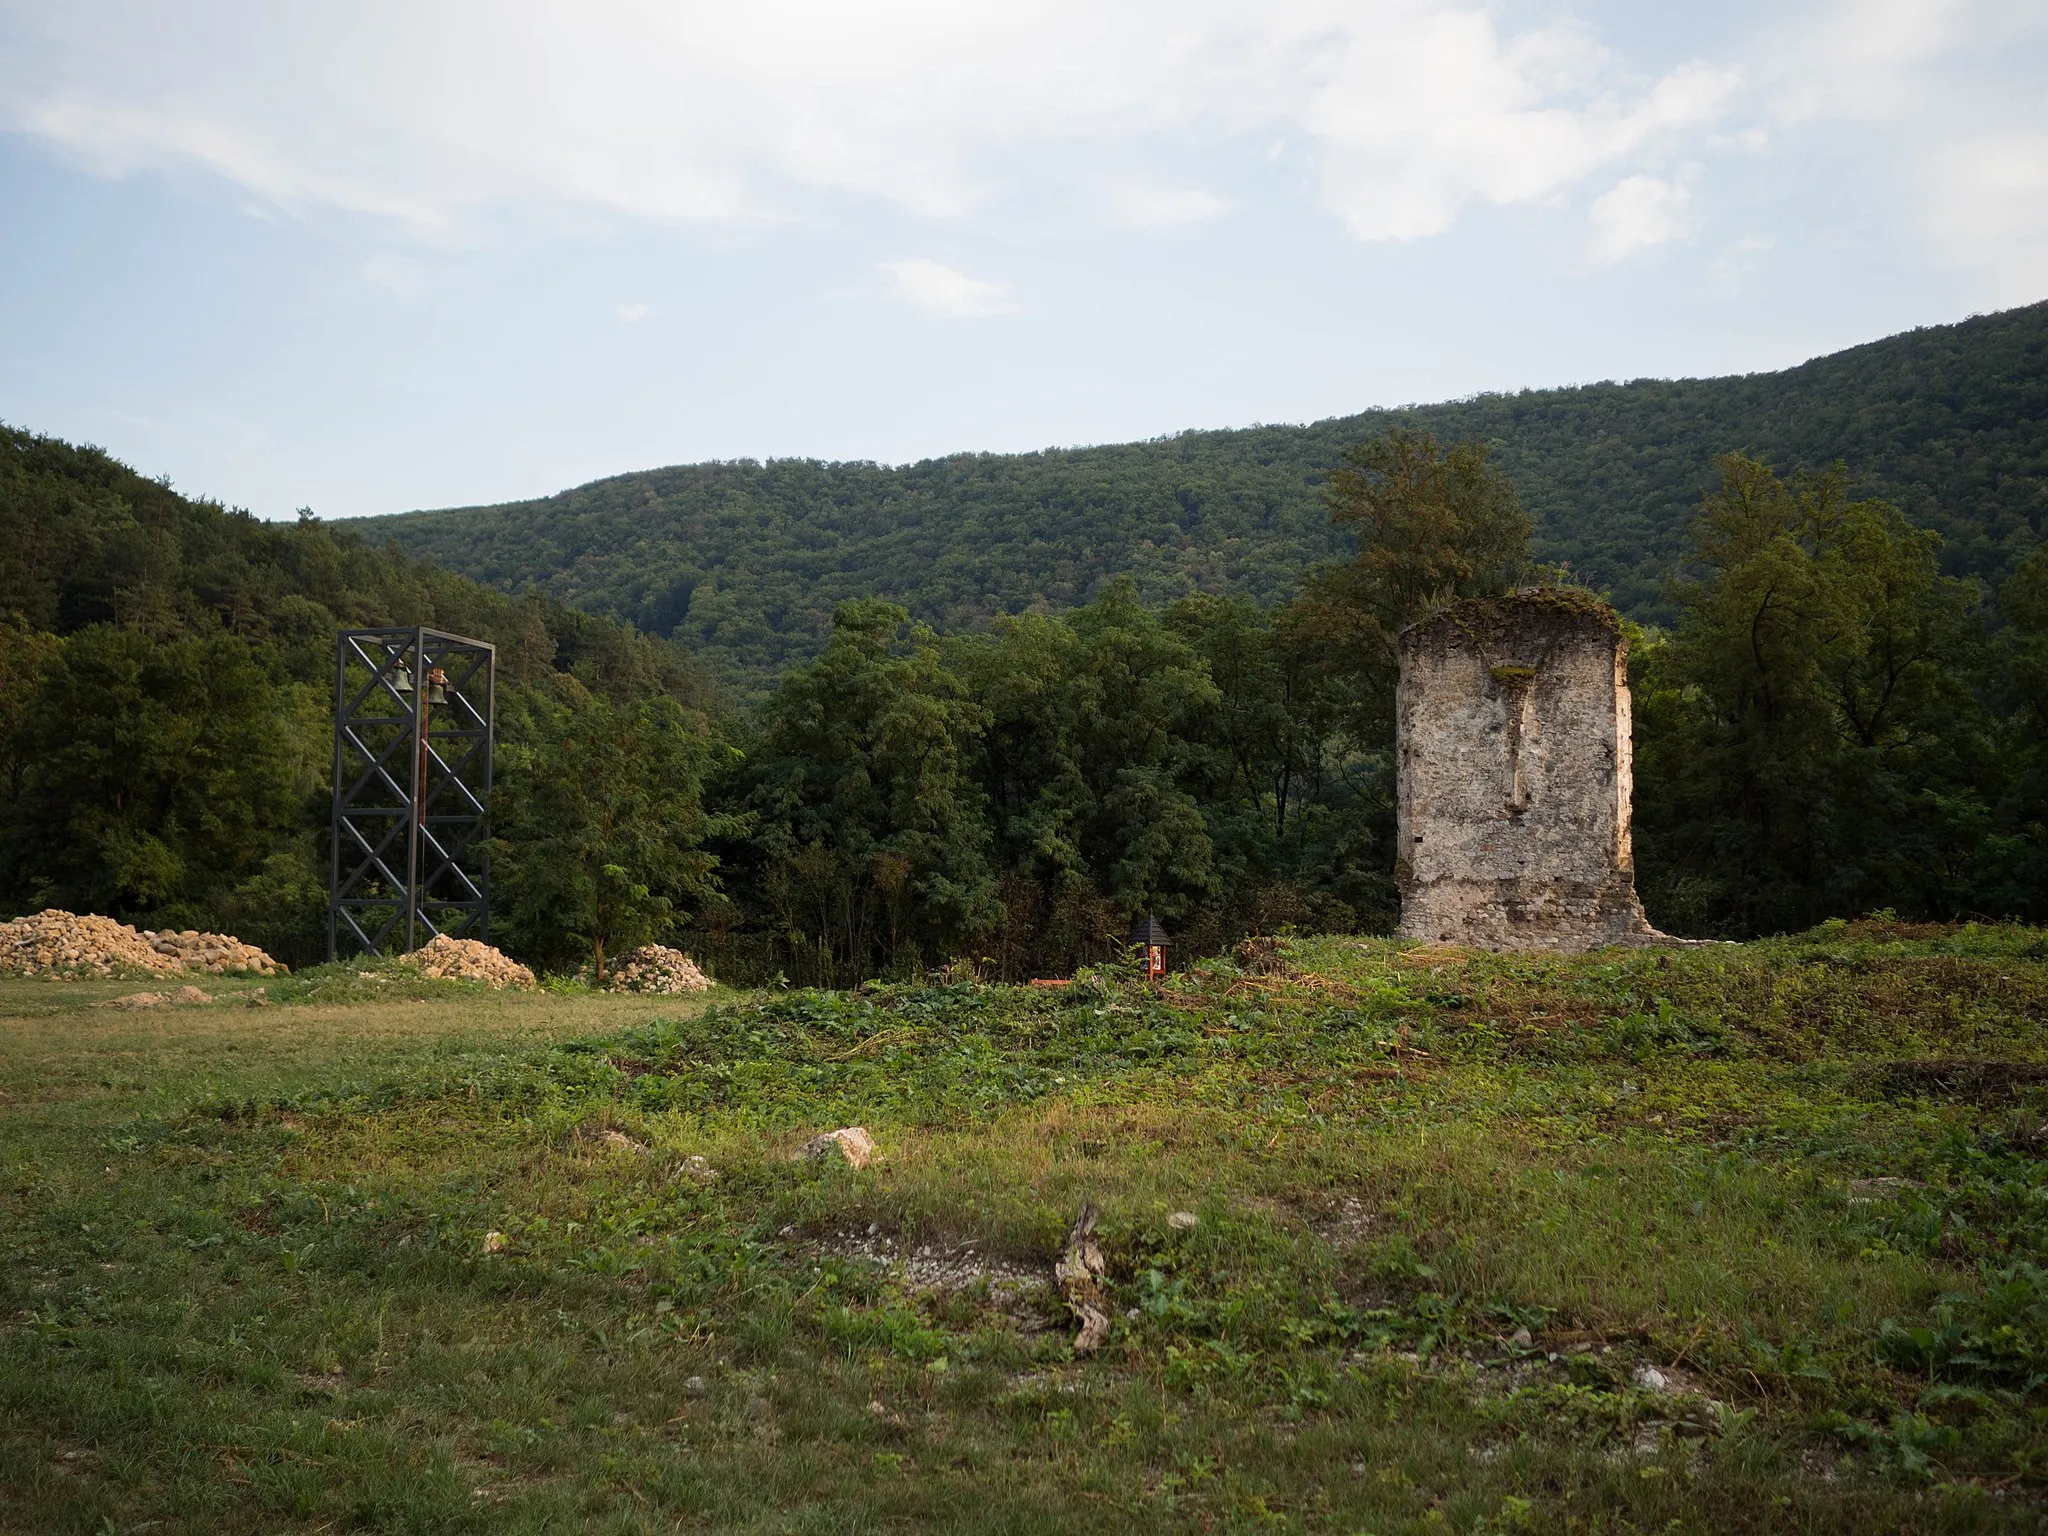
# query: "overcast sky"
{"points": [[405, 253]]}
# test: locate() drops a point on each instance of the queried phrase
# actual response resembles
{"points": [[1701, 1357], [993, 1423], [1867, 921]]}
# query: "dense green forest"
{"points": [[745, 562], [166, 690]]}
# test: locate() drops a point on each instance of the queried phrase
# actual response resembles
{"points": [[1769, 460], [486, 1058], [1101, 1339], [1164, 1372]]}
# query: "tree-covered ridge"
{"points": [[745, 561], [85, 540]]}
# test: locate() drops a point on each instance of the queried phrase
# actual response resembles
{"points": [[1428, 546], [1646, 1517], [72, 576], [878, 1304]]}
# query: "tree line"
{"points": [[1832, 725]]}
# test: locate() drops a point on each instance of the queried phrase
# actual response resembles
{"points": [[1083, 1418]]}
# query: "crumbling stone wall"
{"points": [[1514, 776]]}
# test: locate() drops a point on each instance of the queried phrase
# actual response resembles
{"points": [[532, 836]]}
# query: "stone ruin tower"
{"points": [[1512, 743]]}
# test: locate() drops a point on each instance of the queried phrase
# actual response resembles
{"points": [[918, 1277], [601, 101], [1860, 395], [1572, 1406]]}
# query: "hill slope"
{"points": [[744, 561], [86, 540]]}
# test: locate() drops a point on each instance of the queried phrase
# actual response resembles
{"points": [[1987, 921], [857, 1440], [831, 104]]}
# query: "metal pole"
{"points": [[412, 820], [483, 921], [334, 813]]}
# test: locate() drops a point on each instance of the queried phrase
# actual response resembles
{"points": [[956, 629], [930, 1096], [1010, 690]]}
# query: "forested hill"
{"points": [[85, 540], [744, 562]]}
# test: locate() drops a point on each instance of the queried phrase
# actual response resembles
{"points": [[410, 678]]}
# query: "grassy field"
{"points": [[1727, 1239]]}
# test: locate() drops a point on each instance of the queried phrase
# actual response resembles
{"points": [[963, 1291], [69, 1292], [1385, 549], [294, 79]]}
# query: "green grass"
{"points": [[381, 1255]]}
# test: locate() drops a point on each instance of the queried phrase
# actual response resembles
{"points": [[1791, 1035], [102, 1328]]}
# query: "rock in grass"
{"points": [[159, 999], [1079, 1271], [1183, 1221], [851, 1142]]}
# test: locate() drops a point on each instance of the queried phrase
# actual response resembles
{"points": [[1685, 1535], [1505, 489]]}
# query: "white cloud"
{"points": [[1990, 203], [1414, 126], [1639, 212], [632, 314], [438, 113], [939, 291], [446, 117]]}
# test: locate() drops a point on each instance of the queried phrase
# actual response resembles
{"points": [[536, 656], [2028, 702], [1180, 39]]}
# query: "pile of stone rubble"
{"points": [[214, 952], [68, 944], [469, 960], [655, 968]]}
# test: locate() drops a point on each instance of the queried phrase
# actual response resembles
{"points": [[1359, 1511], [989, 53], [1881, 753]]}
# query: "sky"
{"points": [[410, 253]]}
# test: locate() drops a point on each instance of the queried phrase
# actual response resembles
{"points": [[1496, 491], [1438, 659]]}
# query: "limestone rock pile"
{"points": [[66, 943], [470, 960], [217, 953], [656, 968]]}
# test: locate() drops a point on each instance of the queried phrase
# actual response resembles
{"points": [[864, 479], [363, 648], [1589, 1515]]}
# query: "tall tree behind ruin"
{"points": [[1435, 523]]}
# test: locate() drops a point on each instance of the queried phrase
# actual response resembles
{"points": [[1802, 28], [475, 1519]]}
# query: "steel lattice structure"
{"points": [[414, 716]]}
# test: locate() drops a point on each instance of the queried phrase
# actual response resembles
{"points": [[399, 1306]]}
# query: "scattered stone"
{"points": [[1521, 1339], [1183, 1221], [654, 968], [469, 960], [494, 1242], [619, 1141], [851, 1142], [958, 1268], [54, 942], [159, 999], [1342, 1221], [1079, 1272], [699, 1168], [1650, 1379], [694, 1386]]}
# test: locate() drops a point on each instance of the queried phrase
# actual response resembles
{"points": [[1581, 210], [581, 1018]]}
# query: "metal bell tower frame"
{"points": [[414, 715]]}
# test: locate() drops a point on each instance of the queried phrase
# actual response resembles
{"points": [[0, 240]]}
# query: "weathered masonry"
{"points": [[1512, 743]]}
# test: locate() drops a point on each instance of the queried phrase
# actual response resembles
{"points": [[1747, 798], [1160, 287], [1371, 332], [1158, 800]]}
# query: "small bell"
{"points": [[437, 687], [401, 679]]}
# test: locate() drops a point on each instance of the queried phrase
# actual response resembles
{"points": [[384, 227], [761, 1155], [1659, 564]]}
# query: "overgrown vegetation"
{"points": [[746, 562], [1834, 726], [1729, 1239]]}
